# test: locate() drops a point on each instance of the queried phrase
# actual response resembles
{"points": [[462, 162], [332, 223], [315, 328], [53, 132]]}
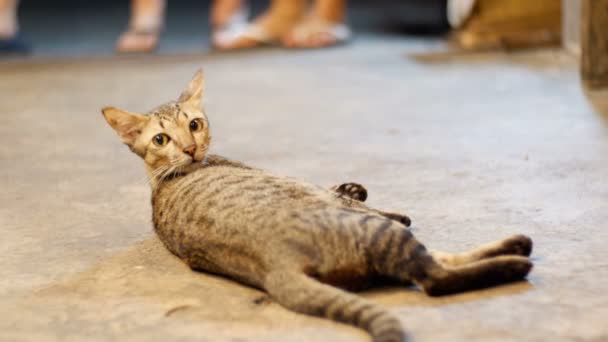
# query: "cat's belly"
{"points": [[241, 223]]}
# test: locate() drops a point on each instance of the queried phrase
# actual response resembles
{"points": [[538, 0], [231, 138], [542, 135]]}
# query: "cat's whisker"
{"points": [[153, 176], [168, 172], [158, 175], [145, 179]]}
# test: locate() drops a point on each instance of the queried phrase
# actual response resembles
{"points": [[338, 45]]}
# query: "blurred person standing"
{"points": [[10, 40], [148, 16], [292, 23], [313, 24]]}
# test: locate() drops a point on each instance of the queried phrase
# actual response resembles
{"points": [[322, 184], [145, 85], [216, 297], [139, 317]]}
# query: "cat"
{"points": [[302, 244]]}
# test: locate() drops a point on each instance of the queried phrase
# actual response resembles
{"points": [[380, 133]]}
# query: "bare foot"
{"points": [[314, 32], [144, 27], [137, 41], [323, 27], [267, 28]]}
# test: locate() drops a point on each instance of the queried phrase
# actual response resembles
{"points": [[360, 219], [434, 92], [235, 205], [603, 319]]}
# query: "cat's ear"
{"points": [[127, 125], [193, 94]]}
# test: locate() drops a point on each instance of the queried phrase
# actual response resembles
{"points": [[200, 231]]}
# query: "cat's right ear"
{"points": [[193, 94], [127, 125]]}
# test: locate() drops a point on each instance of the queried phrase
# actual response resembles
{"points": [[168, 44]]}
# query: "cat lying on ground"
{"points": [[297, 241]]}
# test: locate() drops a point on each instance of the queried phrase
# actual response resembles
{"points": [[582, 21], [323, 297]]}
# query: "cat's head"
{"points": [[173, 138]]}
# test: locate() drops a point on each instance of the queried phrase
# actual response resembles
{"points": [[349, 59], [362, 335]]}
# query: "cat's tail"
{"points": [[301, 293]]}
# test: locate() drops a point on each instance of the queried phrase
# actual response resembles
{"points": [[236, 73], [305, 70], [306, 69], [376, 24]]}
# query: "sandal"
{"points": [[131, 41], [317, 33], [238, 33], [235, 27], [248, 36]]}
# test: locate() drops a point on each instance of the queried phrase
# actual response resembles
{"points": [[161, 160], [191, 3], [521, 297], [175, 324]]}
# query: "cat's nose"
{"points": [[190, 150]]}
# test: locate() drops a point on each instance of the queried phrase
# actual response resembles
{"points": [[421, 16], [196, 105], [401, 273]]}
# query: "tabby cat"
{"points": [[298, 242]]}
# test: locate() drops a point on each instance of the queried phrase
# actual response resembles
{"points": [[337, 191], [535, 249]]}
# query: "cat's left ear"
{"points": [[193, 94], [127, 125]]}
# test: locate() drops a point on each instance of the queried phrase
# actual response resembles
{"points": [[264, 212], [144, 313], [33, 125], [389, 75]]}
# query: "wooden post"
{"points": [[594, 43]]}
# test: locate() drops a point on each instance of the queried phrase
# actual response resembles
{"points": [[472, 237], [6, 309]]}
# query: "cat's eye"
{"points": [[161, 139], [196, 125]]}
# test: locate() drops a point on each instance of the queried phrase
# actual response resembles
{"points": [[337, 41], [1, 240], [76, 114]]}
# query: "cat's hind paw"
{"points": [[517, 245]]}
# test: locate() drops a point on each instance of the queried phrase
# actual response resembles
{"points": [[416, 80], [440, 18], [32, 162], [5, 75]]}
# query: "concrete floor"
{"points": [[474, 149]]}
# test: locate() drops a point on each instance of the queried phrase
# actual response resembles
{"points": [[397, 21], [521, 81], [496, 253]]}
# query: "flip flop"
{"points": [[249, 35], [151, 33], [14, 46], [238, 28], [303, 34], [229, 31]]}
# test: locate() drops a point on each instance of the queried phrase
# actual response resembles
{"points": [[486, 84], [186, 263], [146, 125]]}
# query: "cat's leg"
{"points": [[353, 195], [514, 245], [396, 253], [498, 270]]}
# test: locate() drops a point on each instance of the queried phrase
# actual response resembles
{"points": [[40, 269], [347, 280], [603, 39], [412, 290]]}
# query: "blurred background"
{"points": [[88, 28]]}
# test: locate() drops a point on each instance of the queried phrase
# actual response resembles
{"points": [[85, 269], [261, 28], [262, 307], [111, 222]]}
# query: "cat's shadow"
{"points": [[391, 294], [148, 292], [148, 270], [145, 286]]}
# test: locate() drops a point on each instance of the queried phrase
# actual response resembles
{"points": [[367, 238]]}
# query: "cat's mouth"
{"points": [[195, 161]]}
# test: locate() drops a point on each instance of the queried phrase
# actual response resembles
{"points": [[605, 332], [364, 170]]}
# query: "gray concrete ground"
{"points": [[474, 149]]}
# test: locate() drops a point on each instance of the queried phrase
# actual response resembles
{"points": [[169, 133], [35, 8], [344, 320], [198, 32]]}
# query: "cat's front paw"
{"points": [[352, 190]]}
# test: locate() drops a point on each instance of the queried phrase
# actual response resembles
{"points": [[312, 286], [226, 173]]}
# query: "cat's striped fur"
{"points": [[297, 241]]}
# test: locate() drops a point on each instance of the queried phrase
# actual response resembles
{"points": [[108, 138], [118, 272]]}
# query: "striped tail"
{"points": [[303, 294]]}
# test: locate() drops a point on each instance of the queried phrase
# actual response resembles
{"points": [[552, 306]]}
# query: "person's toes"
{"points": [[245, 43], [287, 40], [313, 41], [325, 39], [132, 42], [319, 40], [310, 35], [301, 39], [237, 43]]}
